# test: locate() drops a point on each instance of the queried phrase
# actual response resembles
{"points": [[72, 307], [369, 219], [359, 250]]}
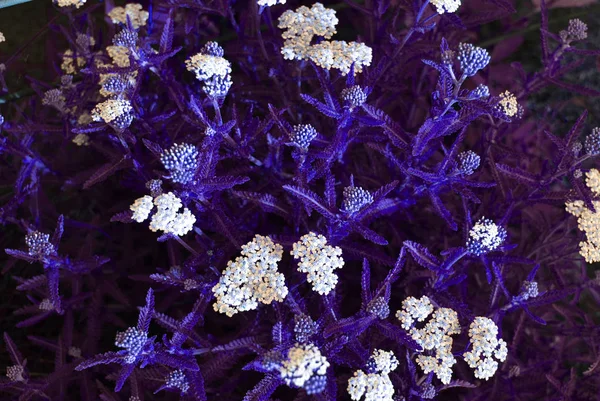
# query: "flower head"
{"points": [[484, 237], [481, 92], [69, 3], [126, 38], [212, 69], [376, 384], [114, 111], [304, 328], [81, 140], [176, 379], [303, 134], [270, 3], [379, 307], [340, 55], [354, 96], [134, 11], [468, 162], [168, 219], [39, 244], [2, 38], [486, 346], [446, 6], [318, 260], [181, 160], [141, 208], [303, 362], [212, 49], [592, 142], [508, 104], [355, 198], [434, 336], [54, 98], [155, 187], [472, 58], [133, 341], [592, 180], [46, 305], [577, 30], [251, 279], [15, 373]]}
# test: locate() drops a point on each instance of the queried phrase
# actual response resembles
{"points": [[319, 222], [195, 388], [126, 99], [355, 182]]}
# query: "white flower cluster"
{"points": [[111, 109], [592, 180], [483, 334], [68, 3], [134, 11], [446, 6], [2, 38], [206, 66], [81, 140], [434, 336], [508, 104], [318, 260], [375, 385], [269, 3], [303, 362], [485, 236], [302, 25], [167, 217], [251, 278], [589, 223]]}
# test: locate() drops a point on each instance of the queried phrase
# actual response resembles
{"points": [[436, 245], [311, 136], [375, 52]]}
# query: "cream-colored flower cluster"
{"points": [[376, 384], [134, 11], [302, 25], [446, 6], [251, 279], [508, 104], [434, 336], [303, 362], [167, 218], [69, 3], [588, 221], [111, 109], [318, 260], [486, 346]]}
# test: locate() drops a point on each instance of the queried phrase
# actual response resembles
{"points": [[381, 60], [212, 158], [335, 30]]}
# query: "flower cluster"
{"points": [[305, 367], [132, 11], [303, 134], [251, 278], [181, 160], [302, 25], [39, 244], [355, 198], [434, 336], [69, 3], [318, 260], [485, 236], [375, 385], [588, 221], [483, 334], [116, 112], [167, 217], [472, 58], [446, 6], [508, 104], [212, 69]]}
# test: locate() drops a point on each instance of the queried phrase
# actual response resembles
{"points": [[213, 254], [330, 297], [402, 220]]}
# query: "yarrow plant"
{"points": [[367, 200]]}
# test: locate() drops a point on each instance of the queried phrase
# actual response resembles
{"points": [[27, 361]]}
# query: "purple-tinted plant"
{"points": [[308, 218]]}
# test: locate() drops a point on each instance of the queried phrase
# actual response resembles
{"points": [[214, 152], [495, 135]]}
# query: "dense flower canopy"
{"points": [[299, 201]]}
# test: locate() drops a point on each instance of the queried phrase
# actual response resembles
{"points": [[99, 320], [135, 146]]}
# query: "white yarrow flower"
{"points": [[141, 208], [303, 362], [483, 334], [318, 260]]}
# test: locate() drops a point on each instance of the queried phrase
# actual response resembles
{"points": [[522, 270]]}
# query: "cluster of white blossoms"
{"points": [[69, 3], [112, 110], [251, 278], [508, 104], [434, 336], [211, 68], [81, 140], [302, 25], [318, 260], [485, 236], [269, 3], [483, 334], [588, 221], [592, 180], [167, 217], [303, 362], [2, 38], [446, 6], [375, 385], [134, 11]]}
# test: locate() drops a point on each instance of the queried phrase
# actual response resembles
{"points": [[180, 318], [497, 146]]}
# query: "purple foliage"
{"points": [[399, 167]]}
